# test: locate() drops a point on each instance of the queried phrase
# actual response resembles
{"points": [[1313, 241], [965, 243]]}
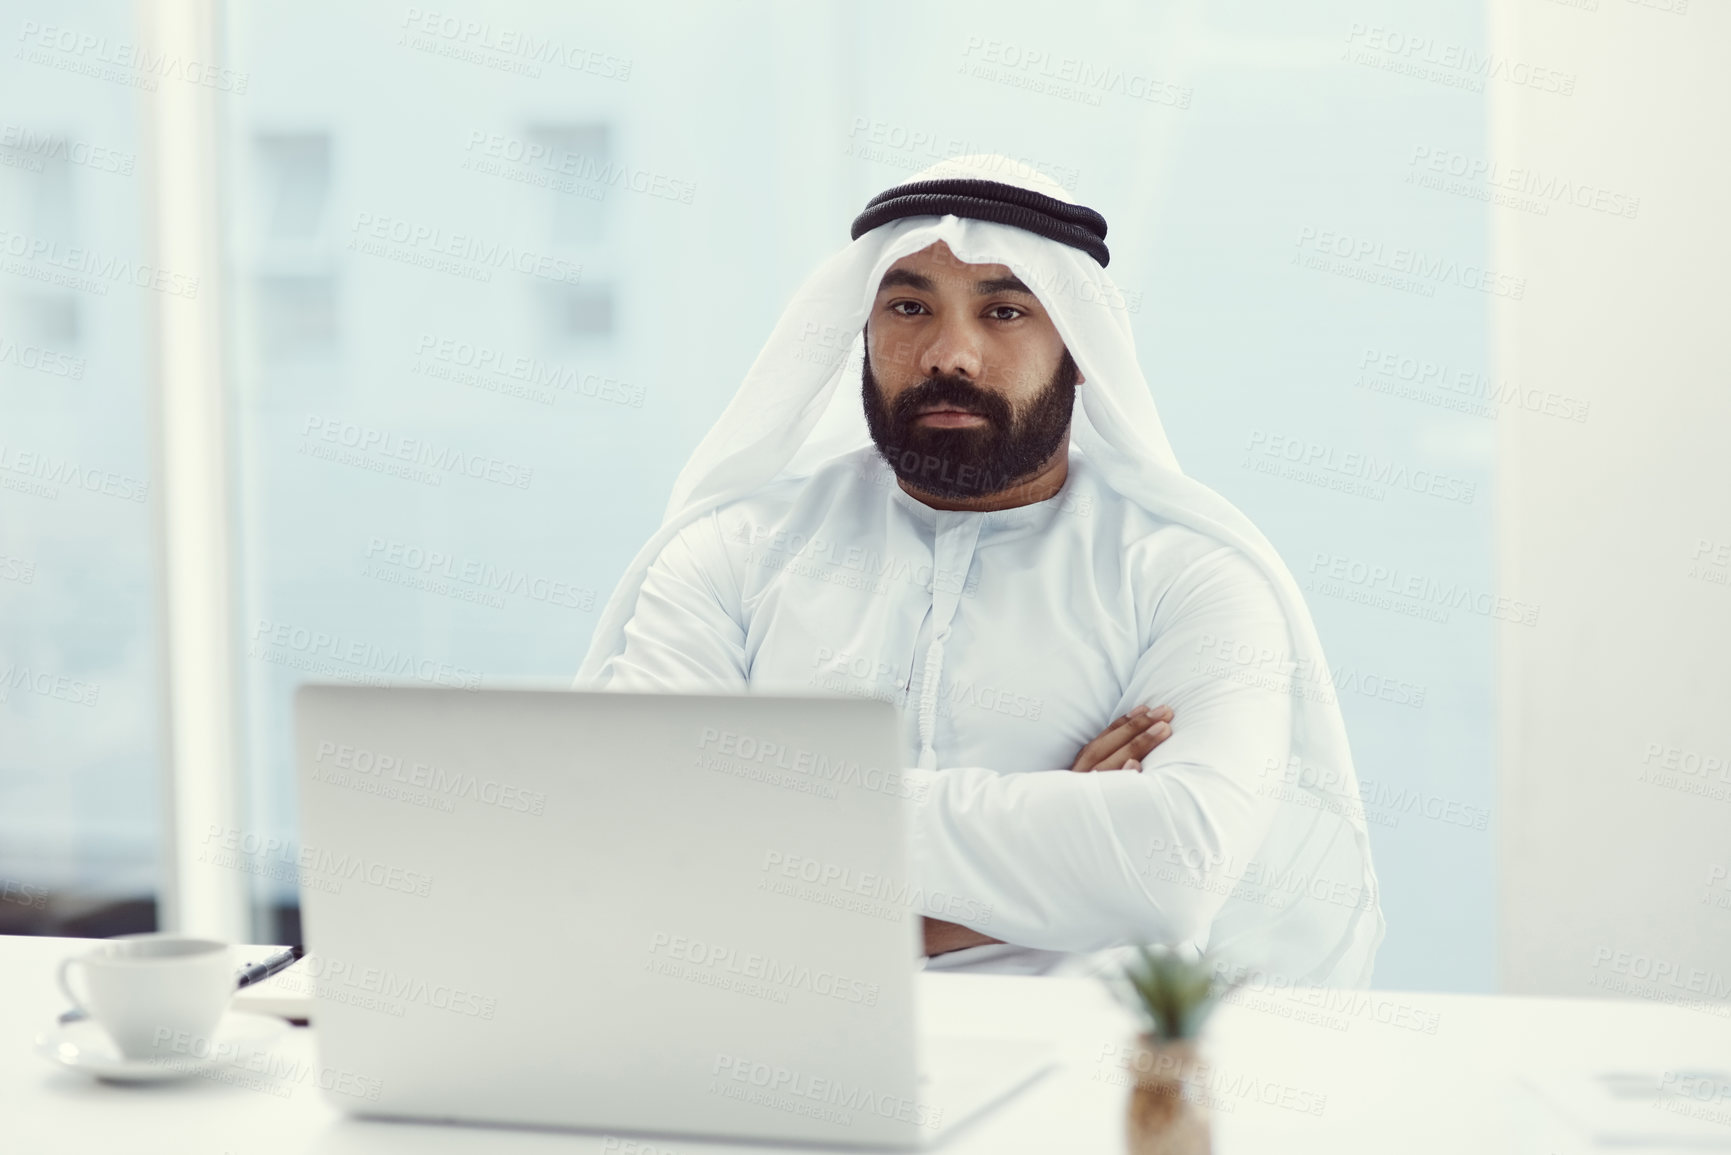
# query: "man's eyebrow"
{"points": [[925, 284], [1001, 285], [907, 279]]}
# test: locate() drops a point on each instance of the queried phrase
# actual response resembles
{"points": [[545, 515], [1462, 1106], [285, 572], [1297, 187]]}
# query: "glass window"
{"points": [[80, 669], [493, 279]]}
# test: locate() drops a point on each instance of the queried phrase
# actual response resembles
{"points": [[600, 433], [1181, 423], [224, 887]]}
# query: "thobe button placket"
{"points": [[952, 553]]}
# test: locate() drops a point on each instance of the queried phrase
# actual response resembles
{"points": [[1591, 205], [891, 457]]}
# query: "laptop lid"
{"points": [[673, 913]]}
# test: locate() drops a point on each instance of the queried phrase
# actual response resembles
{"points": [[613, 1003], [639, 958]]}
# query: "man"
{"points": [[1115, 708]]}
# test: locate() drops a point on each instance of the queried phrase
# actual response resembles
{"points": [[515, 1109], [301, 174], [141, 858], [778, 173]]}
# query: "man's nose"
{"points": [[955, 351]]}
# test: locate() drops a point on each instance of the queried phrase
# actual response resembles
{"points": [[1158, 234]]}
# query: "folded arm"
{"points": [[1081, 862], [685, 635]]}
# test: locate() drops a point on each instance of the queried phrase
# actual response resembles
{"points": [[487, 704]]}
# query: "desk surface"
{"points": [[1317, 1071]]}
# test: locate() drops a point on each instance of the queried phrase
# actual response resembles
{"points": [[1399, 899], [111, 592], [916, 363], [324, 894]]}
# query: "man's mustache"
{"points": [[945, 389]]}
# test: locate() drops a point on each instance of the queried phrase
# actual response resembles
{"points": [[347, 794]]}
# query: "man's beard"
{"points": [[969, 461]]}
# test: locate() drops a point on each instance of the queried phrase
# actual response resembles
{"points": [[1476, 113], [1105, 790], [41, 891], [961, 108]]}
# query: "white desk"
{"points": [[1370, 1076]]}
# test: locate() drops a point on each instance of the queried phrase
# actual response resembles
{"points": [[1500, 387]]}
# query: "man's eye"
{"points": [[907, 308], [1005, 312]]}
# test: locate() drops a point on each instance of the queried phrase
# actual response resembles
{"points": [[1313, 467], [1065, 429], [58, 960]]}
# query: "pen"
{"points": [[270, 966]]}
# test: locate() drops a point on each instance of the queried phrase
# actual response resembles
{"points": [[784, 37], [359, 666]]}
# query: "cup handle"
{"points": [[66, 984]]}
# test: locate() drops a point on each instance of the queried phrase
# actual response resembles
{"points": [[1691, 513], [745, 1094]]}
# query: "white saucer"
{"points": [[84, 1046]]}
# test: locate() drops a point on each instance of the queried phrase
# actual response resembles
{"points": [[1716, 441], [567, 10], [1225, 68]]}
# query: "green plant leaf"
{"points": [[1173, 995]]}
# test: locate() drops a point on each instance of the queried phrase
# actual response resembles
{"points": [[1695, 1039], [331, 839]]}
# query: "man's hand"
{"points": [[1120, 746], [942, 936], [1123, 744]]}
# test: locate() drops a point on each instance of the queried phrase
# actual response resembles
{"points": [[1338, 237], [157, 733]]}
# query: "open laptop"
{"points": [[678, 914]]}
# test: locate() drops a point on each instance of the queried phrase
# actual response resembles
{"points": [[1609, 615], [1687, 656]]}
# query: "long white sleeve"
{"points": [[1081, 862], [684, 635]]}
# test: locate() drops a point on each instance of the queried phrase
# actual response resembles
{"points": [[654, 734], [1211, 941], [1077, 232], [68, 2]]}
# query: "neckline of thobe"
{"points": [[955, 536], [1014, 517]]}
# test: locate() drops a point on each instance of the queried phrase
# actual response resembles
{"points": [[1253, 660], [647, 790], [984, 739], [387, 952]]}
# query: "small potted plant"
{"points": [[1173, 996]]}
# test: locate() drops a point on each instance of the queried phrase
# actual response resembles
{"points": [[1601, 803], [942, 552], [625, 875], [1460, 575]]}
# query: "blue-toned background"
{"points": [[1306, 278]]}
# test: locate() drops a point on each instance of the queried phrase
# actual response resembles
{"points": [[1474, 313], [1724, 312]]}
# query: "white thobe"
{"points": [[1009, 639]]}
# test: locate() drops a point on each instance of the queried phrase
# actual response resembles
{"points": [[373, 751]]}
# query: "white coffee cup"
{"points": [[155, 994]]}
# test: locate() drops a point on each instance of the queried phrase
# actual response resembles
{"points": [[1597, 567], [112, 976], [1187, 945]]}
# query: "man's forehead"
{"points": [[937, 263]]}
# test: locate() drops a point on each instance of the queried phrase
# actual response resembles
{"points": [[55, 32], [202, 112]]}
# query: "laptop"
{"points": [[662, 913]]}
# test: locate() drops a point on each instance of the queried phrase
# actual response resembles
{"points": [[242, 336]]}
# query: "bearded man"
{"points": [[1114, 703]]}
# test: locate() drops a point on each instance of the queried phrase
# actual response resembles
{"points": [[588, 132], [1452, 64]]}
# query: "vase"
{"points": [[1168, 1099]]}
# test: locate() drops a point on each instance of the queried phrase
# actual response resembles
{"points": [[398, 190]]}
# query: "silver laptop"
{"points": [[675, 914]]}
